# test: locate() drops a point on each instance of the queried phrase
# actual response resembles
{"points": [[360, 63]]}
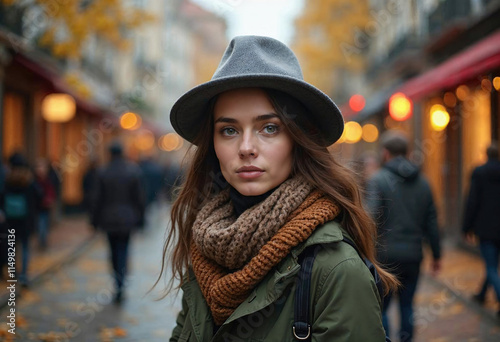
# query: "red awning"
{"points": [[57, 84], [475, 60]]}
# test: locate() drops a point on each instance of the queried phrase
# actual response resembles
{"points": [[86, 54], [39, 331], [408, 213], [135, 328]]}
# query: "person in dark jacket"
{"points": [[482, 218], [19, 202], [400, 199], [48, 199], [118, 208]]}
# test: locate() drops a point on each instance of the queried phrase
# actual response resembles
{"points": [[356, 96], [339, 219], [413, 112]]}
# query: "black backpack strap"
{"points": [[302, 325]]}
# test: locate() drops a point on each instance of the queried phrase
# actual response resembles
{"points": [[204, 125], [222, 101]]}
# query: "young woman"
{"points": [[262, 187]]}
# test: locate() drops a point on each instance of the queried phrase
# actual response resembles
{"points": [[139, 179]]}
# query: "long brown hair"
{"points": [[312, 160]]}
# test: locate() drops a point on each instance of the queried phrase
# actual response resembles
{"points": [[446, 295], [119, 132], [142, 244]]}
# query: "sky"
{"points": [[273, 18]]}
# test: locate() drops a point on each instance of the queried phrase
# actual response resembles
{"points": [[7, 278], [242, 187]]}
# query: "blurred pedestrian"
{"points": [[118, 209], [482, 218], [261, 188], [88, 184], [20, 202], [400, 199], [48, 199]]}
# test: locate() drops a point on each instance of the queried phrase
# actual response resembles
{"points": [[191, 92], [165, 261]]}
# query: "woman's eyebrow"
{"points": [[262, 117], [224, 119], [266, 117]]}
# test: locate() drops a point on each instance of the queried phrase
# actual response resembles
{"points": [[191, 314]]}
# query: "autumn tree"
{"points": [[330, 36], [68, 24]]}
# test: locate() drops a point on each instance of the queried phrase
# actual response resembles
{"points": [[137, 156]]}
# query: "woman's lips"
{"points": [[249, 172]]}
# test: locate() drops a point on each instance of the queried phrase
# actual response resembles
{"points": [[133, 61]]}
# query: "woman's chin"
{"points": [[251, 190]]}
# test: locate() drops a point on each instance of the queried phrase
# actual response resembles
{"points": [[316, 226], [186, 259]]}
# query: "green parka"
{"points": [[345, 305]]}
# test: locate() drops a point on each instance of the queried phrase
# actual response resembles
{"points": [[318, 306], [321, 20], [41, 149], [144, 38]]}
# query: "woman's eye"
{"points": [[228, 131], [271, 129]]}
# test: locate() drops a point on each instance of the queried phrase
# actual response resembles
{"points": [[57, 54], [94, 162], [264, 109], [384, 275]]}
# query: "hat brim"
{"points": [[187, 113]]}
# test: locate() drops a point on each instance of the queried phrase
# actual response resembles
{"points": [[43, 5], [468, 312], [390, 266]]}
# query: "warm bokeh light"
{"points": [[462, 92], [439, 117], [353, 132], [449, 99], [370, 133], [486, 85], [170, 142], [342, 137], [144, 140], [357, 102], [400, 107], [130, 121], [496, 83], [58, 107]]}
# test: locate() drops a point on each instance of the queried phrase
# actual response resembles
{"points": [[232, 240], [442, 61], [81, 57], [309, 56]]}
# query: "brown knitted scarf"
{"points": [[223, 289], [232, 242]]}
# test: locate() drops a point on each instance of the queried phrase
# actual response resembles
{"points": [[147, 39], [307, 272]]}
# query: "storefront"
{"points": [[455, 115], [67, 143]]}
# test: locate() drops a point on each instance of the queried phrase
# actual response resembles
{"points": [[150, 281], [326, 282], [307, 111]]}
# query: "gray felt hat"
{"points": [[258, 62]]}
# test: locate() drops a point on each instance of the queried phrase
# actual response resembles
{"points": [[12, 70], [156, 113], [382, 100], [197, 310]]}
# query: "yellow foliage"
{"points": [[326, 38], [104, 18], [75, 83]]}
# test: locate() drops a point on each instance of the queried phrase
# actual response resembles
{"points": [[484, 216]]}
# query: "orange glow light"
{"points": [[370, 133], [58, 107], [130, 121], [400, 107], [496, 83], [439, 117], [353, 132], [357, 102], [170, 142]]}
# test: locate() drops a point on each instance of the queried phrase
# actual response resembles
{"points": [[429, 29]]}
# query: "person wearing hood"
{"points": [[400, 200], [482, 218]]}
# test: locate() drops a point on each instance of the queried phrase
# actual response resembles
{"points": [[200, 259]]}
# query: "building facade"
{"points": [[444, 57], [144, 73]]}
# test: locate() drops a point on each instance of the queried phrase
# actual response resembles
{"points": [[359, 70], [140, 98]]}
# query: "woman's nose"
{"points": [[247, 146]]}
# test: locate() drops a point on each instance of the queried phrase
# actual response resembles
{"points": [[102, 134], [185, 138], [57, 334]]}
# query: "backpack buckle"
{"points": [[302, 338]]}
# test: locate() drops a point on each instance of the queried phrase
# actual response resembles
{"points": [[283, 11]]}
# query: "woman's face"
{"points": [[253, 147]]}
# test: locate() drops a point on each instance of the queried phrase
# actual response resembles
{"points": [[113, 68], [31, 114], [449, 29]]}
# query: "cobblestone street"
{"points": [[74, 302]]}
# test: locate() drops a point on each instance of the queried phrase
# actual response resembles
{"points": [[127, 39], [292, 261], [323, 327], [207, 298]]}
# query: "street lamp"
{"points": [[58, 107], [400, 107]]}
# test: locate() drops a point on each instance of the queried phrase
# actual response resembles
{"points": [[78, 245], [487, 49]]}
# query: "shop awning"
{"points": [[57, 84], [475, 60]]}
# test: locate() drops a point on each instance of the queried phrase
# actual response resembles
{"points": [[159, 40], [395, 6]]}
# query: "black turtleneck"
{"points": [[242, 203]]}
